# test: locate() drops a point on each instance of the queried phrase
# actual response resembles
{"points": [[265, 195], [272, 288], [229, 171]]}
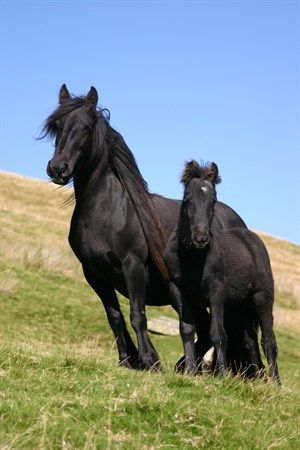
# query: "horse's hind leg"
{"points": [[254, 365], [128, 354], [243, 350], [264, 307]]}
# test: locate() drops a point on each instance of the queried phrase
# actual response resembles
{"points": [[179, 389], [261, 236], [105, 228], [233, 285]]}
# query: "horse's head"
{"points": [[72, 125], [198, 204]]}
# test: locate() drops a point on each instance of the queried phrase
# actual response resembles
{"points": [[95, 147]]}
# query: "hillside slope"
{"points": [[60, 386], [35, 222]]}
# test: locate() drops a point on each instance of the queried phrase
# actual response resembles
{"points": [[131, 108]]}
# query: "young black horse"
{"points": [[118, 229], [220, 270]]}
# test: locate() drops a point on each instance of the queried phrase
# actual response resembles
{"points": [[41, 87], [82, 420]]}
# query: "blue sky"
{"points": [[210, 80]]}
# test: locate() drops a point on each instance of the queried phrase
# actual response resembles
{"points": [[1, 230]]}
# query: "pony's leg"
{"points": [[176, 303], [136, 279], [203, 343], [218, 333], [242, 349], [187, 332], [264, 310], [128, 354], [254, 365]]}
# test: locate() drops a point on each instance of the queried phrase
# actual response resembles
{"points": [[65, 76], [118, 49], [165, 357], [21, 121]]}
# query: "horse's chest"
{"points": [[85, 240]]}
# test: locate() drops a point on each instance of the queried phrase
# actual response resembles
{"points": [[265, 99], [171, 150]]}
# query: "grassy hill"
{"points": [[60, 386]]}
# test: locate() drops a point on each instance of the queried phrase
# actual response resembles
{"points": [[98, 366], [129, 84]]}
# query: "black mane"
{"points": [[126, 170]]}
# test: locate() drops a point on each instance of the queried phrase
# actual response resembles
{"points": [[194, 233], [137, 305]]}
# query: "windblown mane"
{"points": [[125, 168], [114, 151]]}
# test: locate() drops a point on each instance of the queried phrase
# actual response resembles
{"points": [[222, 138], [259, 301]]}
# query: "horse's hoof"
{"points": [[156, 367], [149, 364], [179, 366], [191, 370], [125, 363], [223, 373]]}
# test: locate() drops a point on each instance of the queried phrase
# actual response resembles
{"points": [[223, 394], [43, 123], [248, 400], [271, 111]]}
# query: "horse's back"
{"points": [[253, 245], [260, 258], [245, 262], [228, 217]]}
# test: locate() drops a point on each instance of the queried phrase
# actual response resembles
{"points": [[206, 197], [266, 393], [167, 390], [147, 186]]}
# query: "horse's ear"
{"points": [[191, 170], [64, 94], [211, 173], [92, 96]]}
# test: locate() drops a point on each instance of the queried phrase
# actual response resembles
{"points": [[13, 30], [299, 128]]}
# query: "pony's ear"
{"points": [[64, 94], [191, 170], [92, 96], [211, 173]]}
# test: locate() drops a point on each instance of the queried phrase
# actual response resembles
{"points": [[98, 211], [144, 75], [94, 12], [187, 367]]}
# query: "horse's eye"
{"points": [[87, 129]]}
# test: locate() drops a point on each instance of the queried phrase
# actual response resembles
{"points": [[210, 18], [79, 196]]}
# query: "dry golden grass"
{"points": [[287, 319], [35, 223], [285, 261]]}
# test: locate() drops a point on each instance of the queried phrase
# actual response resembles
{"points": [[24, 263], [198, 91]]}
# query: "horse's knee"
{"points": [[218, 337], [115, 318], [187, 331], [138, 321]]}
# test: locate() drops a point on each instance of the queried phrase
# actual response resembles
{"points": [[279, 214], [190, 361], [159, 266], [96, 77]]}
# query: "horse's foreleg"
{"points": [[128, 354], [217, 331], [202, 326], [203, 343], [187, 333], [136, 280]]}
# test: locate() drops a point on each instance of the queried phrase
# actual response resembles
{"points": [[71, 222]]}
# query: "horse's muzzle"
{"points": [[58, 174]]}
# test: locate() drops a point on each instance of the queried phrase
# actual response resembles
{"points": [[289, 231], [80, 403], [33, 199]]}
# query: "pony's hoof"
{"points": [[190, 370], [223, 373]]}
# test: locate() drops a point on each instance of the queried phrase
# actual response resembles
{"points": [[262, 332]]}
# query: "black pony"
{"points": [[221, 270], [118, 229]]}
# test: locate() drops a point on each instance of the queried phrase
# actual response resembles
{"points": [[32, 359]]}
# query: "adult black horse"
{"points": [[118, 229]]}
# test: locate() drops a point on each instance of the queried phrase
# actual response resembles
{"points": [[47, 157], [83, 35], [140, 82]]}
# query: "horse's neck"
{"points": [[96, 192]]}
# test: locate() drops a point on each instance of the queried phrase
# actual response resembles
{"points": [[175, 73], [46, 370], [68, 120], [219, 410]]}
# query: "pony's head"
{"points": [[72, 125], [198, 204]]}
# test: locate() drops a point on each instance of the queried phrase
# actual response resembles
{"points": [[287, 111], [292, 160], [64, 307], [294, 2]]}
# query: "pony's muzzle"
{"points": [[200, 241]]}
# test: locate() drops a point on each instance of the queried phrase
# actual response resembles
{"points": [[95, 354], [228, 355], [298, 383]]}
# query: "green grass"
{"points": [[61, 387]]}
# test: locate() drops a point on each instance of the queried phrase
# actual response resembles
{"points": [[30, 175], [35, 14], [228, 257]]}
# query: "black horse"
{"points": [[118, 229], [221, 270]]}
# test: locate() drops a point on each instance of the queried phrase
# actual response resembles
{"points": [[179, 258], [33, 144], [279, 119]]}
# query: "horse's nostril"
{"points": [[201, 241], [63, 169]]}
